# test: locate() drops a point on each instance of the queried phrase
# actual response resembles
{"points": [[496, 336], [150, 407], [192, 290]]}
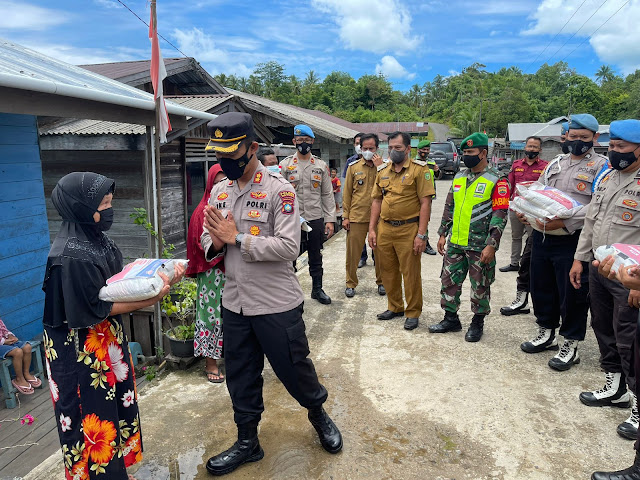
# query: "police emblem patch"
{"points": [[292, 177], [254, 230], [254, 214], [223, 196], [470, 143], [630, 203], [502, 190], [427, 176], [287, 202], [627, 216], [582, 176], [258, 195], [218, 133], [591, 163], [581, 186], [315, 184], [291, 167]]}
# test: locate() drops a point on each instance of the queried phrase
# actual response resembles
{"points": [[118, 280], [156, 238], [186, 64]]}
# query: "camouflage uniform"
{"points": [[463, 253]]}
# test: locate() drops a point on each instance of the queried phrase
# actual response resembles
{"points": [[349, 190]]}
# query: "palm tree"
{"points": [[312, 78], [414, 96], [605, 74]]}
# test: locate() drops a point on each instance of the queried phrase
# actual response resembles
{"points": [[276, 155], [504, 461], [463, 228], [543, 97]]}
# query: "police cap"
{"points": [[475, 140], [303, 131], [583, 120], [228, 131], [627, 130]]}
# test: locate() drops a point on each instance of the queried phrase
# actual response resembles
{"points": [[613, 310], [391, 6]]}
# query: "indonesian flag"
{"points": [[158, 73]]}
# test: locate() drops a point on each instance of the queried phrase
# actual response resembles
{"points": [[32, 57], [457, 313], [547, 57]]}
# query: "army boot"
{"points": [[629, 428], [518, 305], [544, 340], [246, 449], [317, 293], [631, 473], [474, 334], [329, 435], [613, 394], [450, 323]]}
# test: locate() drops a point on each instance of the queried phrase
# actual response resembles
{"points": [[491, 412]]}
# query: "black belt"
{"points": [[397, 223]]}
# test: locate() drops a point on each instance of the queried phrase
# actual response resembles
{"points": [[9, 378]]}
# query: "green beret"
{"points": [[475, 140], [423, 143]]}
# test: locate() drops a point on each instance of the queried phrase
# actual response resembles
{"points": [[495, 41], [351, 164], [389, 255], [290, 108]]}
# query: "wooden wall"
{"points": [[174, 226], [24, 234]]}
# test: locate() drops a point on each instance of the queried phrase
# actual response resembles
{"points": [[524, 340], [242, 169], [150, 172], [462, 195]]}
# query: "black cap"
{"points": [[228, 131]]}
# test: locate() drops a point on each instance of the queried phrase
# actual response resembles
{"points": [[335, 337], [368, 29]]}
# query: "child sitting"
{"points": [[20, 353]]}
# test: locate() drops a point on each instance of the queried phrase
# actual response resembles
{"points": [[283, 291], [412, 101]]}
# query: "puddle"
{"points": [[184, 467]]}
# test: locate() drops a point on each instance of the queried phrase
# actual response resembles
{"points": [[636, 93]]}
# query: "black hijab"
{"points": [[86, 255]]}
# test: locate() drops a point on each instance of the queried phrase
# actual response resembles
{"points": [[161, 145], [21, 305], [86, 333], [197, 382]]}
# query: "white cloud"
{"points": [[108, 3], [376, 26], [23, 16], [453, 73], [391, 68], [615, 42], [197, 44], [84, 56]]}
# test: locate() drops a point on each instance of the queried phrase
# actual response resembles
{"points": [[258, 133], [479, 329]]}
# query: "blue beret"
{"points": [[564, 128], [583, 120], [303, 130], [628, 130]]}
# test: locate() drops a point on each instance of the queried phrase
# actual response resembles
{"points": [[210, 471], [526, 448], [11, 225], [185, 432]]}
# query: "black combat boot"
{"points": [[450, 323], [317, 293], [474, 334], [330, 436], [631, 473], [246, 449]]}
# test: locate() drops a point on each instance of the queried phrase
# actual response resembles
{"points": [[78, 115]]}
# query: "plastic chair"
{"points": [[8, 390]]}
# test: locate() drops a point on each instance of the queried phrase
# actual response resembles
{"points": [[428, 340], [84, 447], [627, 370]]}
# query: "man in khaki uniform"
{"points": [[310, 177], [614, 217], [402, 200], [356, 208], [253, 220]]}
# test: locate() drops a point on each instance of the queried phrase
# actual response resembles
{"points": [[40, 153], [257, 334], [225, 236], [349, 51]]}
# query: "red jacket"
{"points": [[521, 171]]}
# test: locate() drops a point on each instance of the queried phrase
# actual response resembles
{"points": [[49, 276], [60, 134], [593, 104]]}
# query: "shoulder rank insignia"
{"points": [[257, 178]]}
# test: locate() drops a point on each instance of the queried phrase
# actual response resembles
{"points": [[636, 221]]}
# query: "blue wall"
{"points": [[24, 231]]}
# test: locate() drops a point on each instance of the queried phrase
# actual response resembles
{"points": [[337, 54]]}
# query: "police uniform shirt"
{"points": [[313, 187], [613, 215], [356, 198], [401, 191], [575, 178], [259, 275]]}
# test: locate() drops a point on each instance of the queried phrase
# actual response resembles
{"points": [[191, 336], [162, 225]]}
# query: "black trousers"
{"points": [[523, 279], [635, 371], [551, 291], [282, 338], [312, 243], [614, 323]]}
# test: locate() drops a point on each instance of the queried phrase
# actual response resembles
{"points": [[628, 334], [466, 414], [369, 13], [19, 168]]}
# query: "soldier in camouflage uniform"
{"points": [[475, 215]]}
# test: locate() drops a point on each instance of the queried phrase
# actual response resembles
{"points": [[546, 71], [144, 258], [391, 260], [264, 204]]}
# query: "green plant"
{"points": [[181, 305], [150, 372], [141, 217]]}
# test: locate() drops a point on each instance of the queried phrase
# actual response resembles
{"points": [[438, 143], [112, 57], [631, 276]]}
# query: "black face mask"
{"points": [[620, 161], [304, 148], [234, 168], [106, 219], [531, 155], [578, 147], [565, 147], [471, 161]]}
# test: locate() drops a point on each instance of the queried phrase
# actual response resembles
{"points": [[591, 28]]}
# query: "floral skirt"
{"points": [[208, 338], [95, 400]]}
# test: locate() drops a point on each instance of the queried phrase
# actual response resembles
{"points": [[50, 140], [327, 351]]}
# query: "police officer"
{"points": [[424, 149], [614, 217], [402, 200], [309, 176], [552, 253], [475, 215], [253, 220], [356, 208]]}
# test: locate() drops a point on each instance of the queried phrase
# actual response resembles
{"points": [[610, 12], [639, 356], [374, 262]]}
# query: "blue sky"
{"points": [[408, 41]]}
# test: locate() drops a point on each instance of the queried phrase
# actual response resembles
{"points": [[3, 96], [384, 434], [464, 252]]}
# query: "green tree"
{"points": [[605, 74], [271, 75]]}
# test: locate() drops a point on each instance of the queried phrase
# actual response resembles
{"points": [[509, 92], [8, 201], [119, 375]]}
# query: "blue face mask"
{"points": [[273, 168]]}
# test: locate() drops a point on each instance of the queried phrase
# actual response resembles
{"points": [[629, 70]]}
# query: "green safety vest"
{"points": [[471, 203]]}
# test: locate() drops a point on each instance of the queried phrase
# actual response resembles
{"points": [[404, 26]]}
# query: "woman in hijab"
{"points": [[210, 277], [87, 355]]}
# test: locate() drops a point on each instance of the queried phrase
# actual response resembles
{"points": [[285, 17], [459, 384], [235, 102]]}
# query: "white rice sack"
{"points": [[532, 212], [625, 255], [554, 202], [304, 225], [139, 280]]}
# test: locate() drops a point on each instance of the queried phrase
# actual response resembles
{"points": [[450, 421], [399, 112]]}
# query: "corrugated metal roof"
{"points": [[390, 127], [294, 115], [518, 132], [118, 70], [96, 127]]}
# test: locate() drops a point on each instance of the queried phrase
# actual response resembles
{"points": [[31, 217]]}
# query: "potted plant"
{"points": [[180, 306]]}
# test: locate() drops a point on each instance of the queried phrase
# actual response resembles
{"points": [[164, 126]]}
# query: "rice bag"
{"points": [[625, 255], [304, 225], [139, 280], [555, 203], [532, 212]]}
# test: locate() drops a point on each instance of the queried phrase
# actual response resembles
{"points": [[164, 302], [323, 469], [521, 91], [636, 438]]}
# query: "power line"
{"points": [[136, 15], [596, 30], [574, 34], [556, 36]]}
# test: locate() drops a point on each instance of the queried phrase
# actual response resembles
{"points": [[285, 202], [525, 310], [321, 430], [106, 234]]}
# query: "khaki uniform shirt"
{"points": [[575, 178], [356, 198], [613, 215], [259, 275], [312, 183], [401, 192]]}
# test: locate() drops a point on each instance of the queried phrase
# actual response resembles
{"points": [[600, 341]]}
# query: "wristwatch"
{"points": [[421, 236], [239, 238]]}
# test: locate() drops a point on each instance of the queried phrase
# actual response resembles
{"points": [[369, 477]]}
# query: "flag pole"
{"points": [[156, 146]]}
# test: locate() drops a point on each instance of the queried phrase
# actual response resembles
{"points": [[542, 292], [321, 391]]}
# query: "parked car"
{"points": [[446, 156]]}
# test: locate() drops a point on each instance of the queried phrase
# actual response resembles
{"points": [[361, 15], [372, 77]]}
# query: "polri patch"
{"points": [[258, 195], [627, 216], [581, 186], [254, 230], [288, 198], [223, 196], [591, 163], [315, 184], [254, 214], [630, 203]]}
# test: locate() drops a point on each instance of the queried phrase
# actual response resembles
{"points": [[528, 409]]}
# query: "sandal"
{"points": [[220, 378], [24, 390], [35, 383]]}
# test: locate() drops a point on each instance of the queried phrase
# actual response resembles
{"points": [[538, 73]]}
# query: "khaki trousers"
{"points": [[398, 264], [356, 238]]}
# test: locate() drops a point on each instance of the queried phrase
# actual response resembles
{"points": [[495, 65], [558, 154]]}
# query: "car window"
{"points": [[442, 147]]}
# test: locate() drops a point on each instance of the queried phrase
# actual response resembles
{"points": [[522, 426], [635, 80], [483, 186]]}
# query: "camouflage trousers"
{"points": [[457, 262]]}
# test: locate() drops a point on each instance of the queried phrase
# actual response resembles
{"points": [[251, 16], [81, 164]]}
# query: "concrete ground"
{"points": [[410, 405]]}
